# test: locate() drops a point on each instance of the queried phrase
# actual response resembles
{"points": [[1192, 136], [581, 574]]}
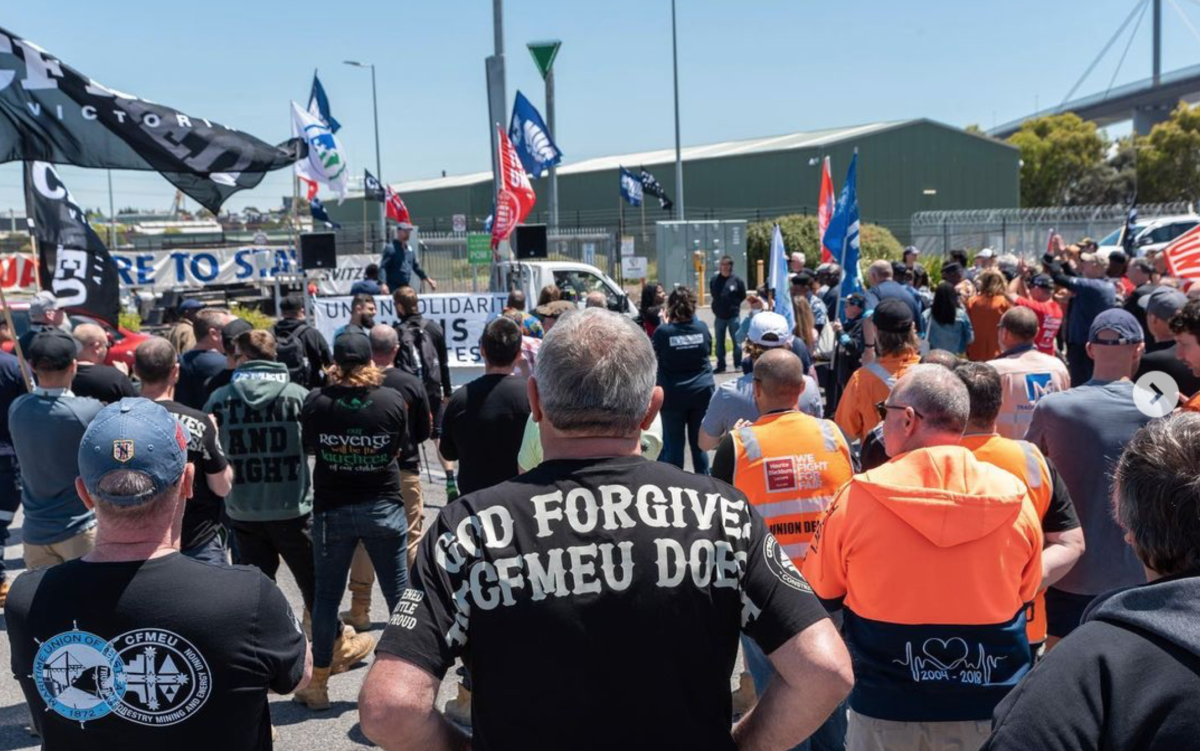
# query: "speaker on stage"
{"points": [[529, 241], [318, 250]]}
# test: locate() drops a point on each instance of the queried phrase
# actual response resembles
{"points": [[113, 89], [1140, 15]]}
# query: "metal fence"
{"points": [[1024, 231], [444, 256]]}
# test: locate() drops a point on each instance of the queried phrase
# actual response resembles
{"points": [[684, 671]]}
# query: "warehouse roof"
{"points": [[805, 140]]}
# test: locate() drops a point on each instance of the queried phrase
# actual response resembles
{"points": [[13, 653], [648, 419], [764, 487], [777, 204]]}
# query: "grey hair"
{"points": [[126, 483], [938, 394], [1156, 493], [383, 338], [595, 374]]}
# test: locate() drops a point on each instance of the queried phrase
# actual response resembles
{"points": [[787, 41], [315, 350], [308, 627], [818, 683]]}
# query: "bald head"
{"points": [[94, 343], [154, 361], [384, 343], [1020, 324], [778, 380], [879, 271]]}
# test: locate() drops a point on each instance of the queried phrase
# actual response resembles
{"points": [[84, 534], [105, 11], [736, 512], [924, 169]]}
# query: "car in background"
{"points": [[121, 341], [1150, 235]]}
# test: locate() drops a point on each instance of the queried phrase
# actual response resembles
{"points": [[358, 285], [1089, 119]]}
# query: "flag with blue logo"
{"points": [[778, 278], [631, 187], [326, 162], [318, 105], [317, 209], [531, 138], [841, 237]]}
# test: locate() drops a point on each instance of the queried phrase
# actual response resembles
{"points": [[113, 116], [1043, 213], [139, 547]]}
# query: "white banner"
{"points": [[164, 270], [462, 316], [18, 271]]}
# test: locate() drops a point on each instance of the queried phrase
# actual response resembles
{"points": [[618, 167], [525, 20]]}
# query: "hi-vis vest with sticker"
{"points": [[1025, 461], [790, 466]]}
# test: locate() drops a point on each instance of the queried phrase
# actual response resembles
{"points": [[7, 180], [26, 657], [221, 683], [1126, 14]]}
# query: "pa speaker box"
{"points": [[318, 250], [529, 240]]}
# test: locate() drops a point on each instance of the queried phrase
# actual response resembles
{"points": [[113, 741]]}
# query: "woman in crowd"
{"points": [[806, 327], [355, 428], [947, 325], [985, 310], [550, 293], [683, 346], [650, 309]]}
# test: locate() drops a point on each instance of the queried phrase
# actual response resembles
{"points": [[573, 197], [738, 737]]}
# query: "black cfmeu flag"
{"points": [[52, 113], [371, 187], [1127, 238], [651, 187], [74, 263]]}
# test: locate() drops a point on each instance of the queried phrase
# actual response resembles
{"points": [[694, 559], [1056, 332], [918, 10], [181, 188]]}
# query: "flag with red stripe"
{"points": [[396, 210], [825, 210], [1183, 255], [516, 198]]}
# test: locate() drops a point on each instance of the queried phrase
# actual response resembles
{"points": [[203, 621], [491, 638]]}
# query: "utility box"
{"points": [[678, 243]]}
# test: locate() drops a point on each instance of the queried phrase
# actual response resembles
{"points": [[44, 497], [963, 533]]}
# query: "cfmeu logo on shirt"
{"points": [[149, 676]]}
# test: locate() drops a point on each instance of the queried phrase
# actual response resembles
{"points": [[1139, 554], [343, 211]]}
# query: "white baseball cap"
{"points": [[769, 329], [985, 253]]}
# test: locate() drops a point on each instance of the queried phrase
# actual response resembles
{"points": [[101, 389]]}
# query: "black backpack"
{"points": [[418, 355], [290, 350]]}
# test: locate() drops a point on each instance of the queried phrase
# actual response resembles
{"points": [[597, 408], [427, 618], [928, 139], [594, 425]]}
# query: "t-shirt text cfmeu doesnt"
{"points": [[462, 317]]}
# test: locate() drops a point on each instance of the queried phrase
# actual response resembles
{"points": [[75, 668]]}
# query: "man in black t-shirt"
{"points": [[557, 585], [94, 378], [484, 422], [135, 646], [157, 366], [1158, 308]]}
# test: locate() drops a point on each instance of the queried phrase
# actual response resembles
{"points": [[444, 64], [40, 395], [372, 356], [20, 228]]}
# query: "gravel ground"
{"points": [[299, 728]]}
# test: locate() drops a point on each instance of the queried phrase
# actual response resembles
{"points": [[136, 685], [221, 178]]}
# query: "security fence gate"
{"points": [[444, 256], [1024, 231]]}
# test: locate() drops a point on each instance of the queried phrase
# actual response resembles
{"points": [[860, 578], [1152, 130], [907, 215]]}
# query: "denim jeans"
{"points": [[831, 735], [720, 326], [213, 551], [382, 529], [10, 500], [678, 425]]}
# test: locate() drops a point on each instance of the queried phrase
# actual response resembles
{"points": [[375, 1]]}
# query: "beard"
{"points": [[367, 322]]}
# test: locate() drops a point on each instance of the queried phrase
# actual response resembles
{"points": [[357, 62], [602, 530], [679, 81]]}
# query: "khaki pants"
{"points": [[870, 734], [60, 552], [362, 575]]}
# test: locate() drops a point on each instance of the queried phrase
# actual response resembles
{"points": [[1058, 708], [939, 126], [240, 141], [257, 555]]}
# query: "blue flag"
{"points": [[841, 238], [317, 209], [318, 105], [778, 279], [531, 138], [631, 187]]}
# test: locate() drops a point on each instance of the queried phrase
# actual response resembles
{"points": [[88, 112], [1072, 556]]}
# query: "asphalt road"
{"points": [[300, 729]]}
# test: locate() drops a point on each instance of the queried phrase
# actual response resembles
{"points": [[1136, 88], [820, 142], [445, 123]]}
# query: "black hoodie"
{"points": [[1128, 679], [316, 349]]}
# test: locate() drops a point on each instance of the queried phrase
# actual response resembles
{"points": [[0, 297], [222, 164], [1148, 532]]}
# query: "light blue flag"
{"points": [[841, 238], [531, 138], [779, 280], [631, 188]]}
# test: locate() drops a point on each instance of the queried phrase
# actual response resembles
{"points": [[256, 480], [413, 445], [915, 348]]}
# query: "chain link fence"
{"points": [[1025, 232], [444, 256]]}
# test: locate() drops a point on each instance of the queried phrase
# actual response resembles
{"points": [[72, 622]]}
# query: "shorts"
{"points": [[436, 407], [1064, 611]]}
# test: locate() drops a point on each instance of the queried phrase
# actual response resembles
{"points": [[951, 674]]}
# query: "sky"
{"points": [[746, 69]]}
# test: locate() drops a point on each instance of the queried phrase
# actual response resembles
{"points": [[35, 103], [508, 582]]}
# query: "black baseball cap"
{"points": [[232, 331], [52, 349], [291, 304], [351, 348], [1044, 281], [893, 316]]}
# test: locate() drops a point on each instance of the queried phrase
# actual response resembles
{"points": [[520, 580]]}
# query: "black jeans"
{"points": [[262, 544]]}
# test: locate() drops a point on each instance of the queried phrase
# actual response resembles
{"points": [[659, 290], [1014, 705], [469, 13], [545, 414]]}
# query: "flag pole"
{"points": [[620, 238]]}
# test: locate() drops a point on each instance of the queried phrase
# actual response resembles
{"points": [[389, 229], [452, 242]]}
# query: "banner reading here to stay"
{"points": [[18, 271], [461, 315]]}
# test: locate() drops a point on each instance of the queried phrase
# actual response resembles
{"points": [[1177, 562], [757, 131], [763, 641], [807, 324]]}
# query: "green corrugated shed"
{"points": [[904, 167]]}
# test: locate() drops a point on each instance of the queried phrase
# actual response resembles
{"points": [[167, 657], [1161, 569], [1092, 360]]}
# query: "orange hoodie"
{"points": [[868, 386], [934, 556]]}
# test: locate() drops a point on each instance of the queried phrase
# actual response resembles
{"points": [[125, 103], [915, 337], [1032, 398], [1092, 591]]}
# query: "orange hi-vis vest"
{"points": [[1024, 461], [868, 386], [790, 466]]}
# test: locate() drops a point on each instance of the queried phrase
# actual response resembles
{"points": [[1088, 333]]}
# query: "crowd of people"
{"points": [[930, 515]]}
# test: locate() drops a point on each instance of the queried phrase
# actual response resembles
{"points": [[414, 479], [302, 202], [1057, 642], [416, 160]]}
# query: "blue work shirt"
{"points": [[398, 264]]}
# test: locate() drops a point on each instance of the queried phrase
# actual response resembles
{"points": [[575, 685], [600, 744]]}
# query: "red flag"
{"points": [[516, 198], [1183, 255], [825, 209], [310, 188], [396, 210]]}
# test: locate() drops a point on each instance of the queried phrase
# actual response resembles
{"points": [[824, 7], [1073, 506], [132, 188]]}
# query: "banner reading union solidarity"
{"points": [[51, 112]]}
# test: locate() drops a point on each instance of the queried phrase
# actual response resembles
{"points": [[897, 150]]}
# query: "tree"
{"points": [[1057, 153], [1168, 165], [1113, 181], [800, 234]]}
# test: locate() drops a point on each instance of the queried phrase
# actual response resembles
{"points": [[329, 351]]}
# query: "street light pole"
{"points": [[678, 154], [378, 161]]}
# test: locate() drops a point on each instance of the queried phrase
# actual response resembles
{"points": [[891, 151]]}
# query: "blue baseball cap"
{"points": [[138, 435], [1117, 326]]}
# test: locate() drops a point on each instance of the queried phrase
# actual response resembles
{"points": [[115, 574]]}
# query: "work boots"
{"points": [[350, 649], [458, 709], [745, 697], [359, 615], [316, 694]]}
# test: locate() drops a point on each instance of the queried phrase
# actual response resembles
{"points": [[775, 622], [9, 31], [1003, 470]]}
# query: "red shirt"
{"points": [[1050, 317]]}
